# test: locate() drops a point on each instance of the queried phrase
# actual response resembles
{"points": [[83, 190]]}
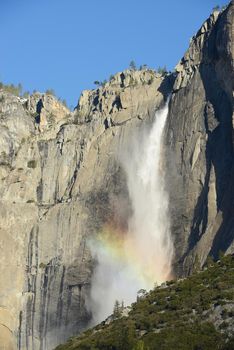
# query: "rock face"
{"points": [[200, 138], [60, 181]]}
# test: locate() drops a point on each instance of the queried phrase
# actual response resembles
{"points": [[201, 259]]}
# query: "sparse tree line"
{"points": [[118, 309], [18, 90], [133, 67], [161, 70], [219, 8]]}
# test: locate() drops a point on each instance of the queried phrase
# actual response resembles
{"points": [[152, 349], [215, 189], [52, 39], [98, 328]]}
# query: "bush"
{"points": [[100, 83], [103, 83], [143, 67], [64, 102], [150, 81], [132, 65], [132, 81], [50, 92], [13, 89], [162, 70], [42, 265], [32, 164], [216, 8]]}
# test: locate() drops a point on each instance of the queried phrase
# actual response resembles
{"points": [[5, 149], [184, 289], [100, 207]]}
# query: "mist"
{"points": [[142, 256]]}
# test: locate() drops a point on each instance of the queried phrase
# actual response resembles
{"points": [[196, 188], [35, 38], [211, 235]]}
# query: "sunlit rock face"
{"points": [[200, 144], [60, 183]]}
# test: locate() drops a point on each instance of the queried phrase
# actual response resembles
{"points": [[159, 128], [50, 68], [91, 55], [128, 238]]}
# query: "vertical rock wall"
{"points": [[60, 183], [200, 138]]}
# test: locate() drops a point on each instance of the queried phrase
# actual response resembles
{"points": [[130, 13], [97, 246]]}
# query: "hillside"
{"points": [[196, 313]]}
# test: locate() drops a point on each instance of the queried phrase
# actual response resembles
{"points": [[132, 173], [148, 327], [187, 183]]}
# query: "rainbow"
{"points": [[124, 249]]}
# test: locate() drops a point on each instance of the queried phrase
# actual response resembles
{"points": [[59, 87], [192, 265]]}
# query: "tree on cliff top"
{"points": [[132, 65]]}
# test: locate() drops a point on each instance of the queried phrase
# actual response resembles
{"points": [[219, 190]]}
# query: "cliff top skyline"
{"points": [[67, 47]]}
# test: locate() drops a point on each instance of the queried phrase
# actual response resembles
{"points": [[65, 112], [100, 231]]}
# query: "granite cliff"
{"points": [[60, 182], [200, 138]]}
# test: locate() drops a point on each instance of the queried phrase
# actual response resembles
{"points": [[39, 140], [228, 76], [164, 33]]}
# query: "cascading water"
{"points": [[142, 256]]}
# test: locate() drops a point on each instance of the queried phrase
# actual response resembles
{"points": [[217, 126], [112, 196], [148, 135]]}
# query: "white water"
{"points": [[147, 249]]}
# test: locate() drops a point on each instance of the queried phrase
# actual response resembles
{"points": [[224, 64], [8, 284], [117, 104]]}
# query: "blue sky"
{"points": [[68, 44]]}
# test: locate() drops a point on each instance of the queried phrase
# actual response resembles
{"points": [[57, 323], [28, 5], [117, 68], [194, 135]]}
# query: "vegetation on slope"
{"points": [[194, 313], [18, 90]]}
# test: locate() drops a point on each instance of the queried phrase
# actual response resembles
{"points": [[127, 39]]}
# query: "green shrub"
{"points": [[132, 81], [132, 65], [104, 82], [150, 81], [64, 102], [162, 70], [42, 265], [143, 67], [216, 8], [32, 164], [51, 118], [50, 92], [11, 88]]}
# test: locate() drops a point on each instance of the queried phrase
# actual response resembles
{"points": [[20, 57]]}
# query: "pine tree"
{"points": [[132, 65], [116, 310]]}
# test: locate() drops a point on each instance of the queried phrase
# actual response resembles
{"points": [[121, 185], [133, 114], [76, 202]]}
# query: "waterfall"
{"points": [[150, 223], [142, 256]]}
